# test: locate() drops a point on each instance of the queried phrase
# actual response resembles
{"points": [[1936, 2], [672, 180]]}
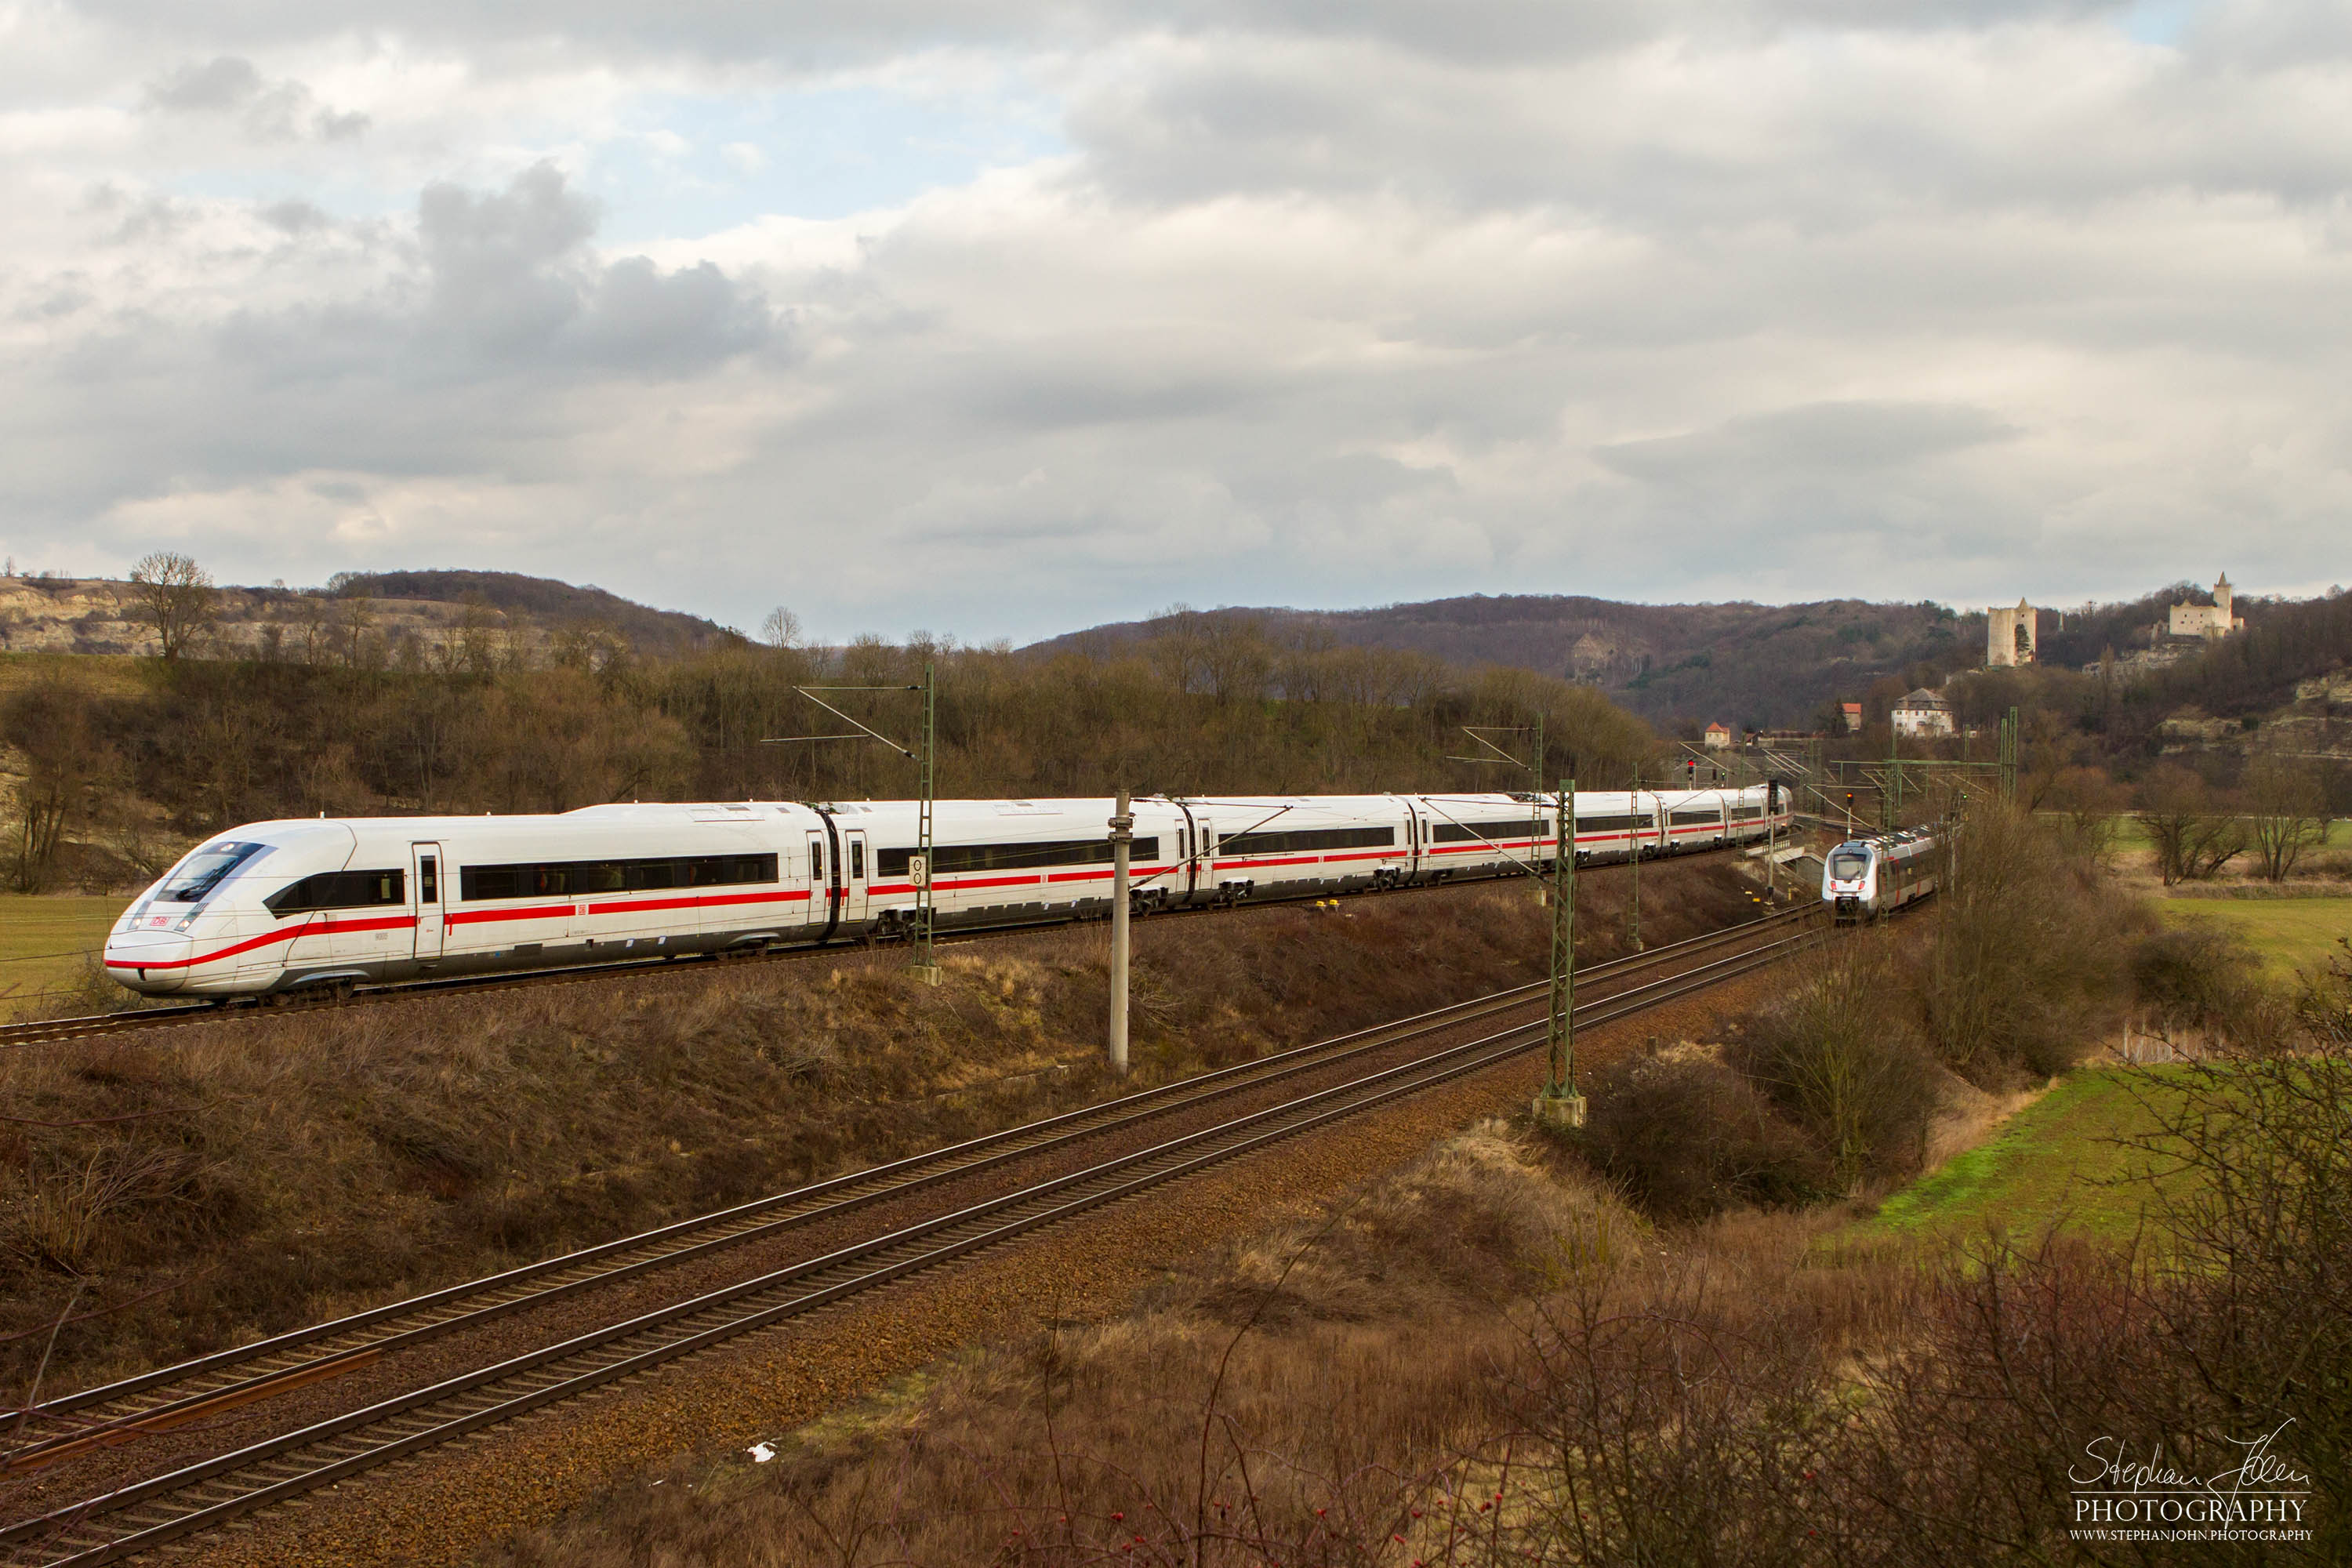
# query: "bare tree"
{"points": [[781, 629], [2093, 805], [67, 767], [2051, 750], [2285, 813], [2194, 836], [362, 648], [175, 595]]}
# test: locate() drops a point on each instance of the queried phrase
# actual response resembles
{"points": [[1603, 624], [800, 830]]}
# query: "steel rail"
{"points": [[50, 1031], [341, 1344], [216, 1490]]}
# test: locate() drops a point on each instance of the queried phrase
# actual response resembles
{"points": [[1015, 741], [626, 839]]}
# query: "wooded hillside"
{"points": [[121, 762], [1679, 666]]}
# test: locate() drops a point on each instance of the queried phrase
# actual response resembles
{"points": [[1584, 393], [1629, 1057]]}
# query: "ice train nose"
{"points": [[152, 963]]}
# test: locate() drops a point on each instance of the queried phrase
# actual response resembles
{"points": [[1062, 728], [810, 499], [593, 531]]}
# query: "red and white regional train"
{"points": [[285, 906]]}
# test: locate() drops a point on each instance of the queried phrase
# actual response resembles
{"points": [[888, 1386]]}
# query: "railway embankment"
{"points": [[1085, 1271], [170, 1193], [1492, 1355]]}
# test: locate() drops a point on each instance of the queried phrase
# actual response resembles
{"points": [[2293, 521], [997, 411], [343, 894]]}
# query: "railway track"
{"points": [[152, 1511], [51, 1030]]}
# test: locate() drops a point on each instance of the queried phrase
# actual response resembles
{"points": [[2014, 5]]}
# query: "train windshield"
{"points": [[201, 872], [1848, 865]]}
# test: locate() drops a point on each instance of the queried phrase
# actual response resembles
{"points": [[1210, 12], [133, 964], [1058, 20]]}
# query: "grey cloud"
{"points": [[295, 217], [820, 34], [1718, 128], [215, 87], [1843, 439], [672, 324], [512, 277], [505, 267], [267, 111]]}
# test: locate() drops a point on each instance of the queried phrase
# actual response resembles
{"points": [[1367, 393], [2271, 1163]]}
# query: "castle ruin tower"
{"points": [[2218, 619], [2012, 636]]}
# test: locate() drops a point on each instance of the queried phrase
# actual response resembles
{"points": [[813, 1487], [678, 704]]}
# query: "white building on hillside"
{"points": [[1924, 712]]}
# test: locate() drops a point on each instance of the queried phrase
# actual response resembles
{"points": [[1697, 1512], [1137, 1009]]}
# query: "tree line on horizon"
{"points": [[340, 718]]}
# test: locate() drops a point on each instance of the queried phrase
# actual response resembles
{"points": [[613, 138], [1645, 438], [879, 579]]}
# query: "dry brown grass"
{"points": [[1363, 1385], [1487, 1359], [1287, 1393], [216, 1184]]}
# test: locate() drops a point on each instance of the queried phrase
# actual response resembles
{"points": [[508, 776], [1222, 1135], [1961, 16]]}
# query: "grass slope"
{"points": [[2060, 1162], [2292, 934], [46, 943]]}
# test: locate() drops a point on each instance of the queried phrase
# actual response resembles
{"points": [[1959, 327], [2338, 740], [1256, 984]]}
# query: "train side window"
{"points": [[816, 862], [856, 859], [338, 890], [428, 879]]}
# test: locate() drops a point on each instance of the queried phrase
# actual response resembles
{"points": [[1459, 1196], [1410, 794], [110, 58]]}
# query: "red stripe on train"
{"points": [[322, 928]]}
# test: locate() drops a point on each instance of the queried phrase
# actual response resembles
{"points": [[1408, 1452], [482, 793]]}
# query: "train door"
{"points": [[425, 873], [854, 875], [819, 912], [1188, 870]]}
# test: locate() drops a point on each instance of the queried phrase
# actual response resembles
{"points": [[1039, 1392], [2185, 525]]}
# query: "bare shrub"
{"points": [[2256, 1283], [2022, 958], [1676, 1422], [64, 1218], [1686, 1136], [1840, 1053], [2199, 976]]}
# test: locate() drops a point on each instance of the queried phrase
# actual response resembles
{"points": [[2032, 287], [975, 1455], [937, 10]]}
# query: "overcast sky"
{"points": [[1005, 318]]}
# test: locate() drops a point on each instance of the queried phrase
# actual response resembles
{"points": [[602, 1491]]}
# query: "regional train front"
{"points": [[1847, 876]]}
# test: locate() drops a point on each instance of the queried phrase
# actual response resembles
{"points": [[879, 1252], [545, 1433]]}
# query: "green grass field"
{"points": [[2131, 834], [2058, 1163], [2293, 935], [43, 942]]}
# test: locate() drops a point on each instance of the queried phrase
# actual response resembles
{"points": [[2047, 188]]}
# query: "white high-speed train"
{"points": [[283, 906]]}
